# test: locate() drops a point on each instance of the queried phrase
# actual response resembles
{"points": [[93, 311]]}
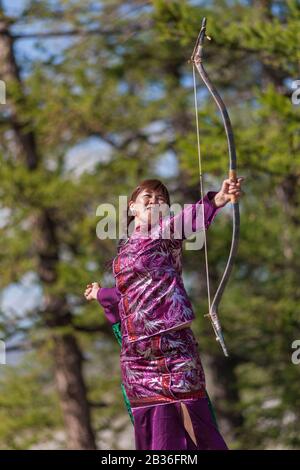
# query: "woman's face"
{"points": [[148, 205]]}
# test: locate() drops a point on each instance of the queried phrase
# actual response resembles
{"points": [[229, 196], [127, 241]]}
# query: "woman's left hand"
{"points": [[229, 188]]}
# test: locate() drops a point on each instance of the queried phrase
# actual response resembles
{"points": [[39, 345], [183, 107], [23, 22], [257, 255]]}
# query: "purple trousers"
{"points": [[161, 427], [165, 384]]}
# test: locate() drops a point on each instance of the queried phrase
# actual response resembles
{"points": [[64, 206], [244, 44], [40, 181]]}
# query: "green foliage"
{"points": [[29, 410], [131, 87]]}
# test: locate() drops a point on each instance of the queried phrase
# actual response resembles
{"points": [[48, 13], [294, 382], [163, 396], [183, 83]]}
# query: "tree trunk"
{"points": [[72, 392], [67, 356]]}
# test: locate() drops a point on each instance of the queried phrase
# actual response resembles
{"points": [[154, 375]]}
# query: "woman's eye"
{"points": [[159, 199]]}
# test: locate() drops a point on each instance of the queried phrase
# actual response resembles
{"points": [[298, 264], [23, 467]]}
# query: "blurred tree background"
{"points": [[100, 96]]}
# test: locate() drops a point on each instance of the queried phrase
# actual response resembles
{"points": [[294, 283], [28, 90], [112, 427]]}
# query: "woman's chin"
{"points": [[146, 220]]}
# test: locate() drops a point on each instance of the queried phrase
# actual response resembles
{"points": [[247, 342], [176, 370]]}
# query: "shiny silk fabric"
{"points": [[161, 368], [148, 272]]}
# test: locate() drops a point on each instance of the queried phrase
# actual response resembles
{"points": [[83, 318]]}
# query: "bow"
{"points": [[197, 60]]}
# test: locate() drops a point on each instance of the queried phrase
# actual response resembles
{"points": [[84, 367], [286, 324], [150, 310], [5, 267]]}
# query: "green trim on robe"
{"points": [[117, 332], [212, 411]]}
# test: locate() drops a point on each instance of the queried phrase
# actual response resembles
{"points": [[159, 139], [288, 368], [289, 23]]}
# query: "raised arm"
{"points": [[190, 219]]}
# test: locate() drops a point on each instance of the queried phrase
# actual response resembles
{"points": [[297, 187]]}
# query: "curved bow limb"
{"points": [[197, 60]]}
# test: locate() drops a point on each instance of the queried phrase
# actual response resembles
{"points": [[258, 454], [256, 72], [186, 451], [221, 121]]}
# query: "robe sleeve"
{"points": [[190, 219], [108, 298]]}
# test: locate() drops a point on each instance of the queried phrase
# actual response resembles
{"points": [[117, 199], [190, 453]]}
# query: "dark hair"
{"points": [[152, 185]]}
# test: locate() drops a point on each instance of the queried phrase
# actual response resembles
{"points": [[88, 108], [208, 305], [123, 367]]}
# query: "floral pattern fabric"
{"points": [[158, 365], [148, 272], [162, 369]]}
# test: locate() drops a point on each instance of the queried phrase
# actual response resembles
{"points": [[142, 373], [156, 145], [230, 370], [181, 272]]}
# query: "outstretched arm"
{"points": [[108, 298], [190, 219]]}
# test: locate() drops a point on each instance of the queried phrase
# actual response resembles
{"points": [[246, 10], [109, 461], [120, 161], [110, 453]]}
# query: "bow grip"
{"points": [[233, 177]]}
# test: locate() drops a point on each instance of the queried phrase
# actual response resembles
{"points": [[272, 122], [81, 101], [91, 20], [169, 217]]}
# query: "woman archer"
{"points": [[161, 367]]}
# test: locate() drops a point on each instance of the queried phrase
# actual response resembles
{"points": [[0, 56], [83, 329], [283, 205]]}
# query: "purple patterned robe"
{"points": [[159, 366]]}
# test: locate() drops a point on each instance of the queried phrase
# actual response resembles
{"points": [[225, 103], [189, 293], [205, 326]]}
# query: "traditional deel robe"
{"points": [[162, 374]]}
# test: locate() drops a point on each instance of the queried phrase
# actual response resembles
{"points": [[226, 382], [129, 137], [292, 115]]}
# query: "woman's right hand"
{"points": [[91, 290]]}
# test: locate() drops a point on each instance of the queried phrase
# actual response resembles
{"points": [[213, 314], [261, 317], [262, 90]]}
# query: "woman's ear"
{"points": [[132, 210]]}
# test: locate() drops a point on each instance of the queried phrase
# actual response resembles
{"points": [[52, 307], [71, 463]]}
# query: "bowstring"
{"points": [[201, 188]]}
